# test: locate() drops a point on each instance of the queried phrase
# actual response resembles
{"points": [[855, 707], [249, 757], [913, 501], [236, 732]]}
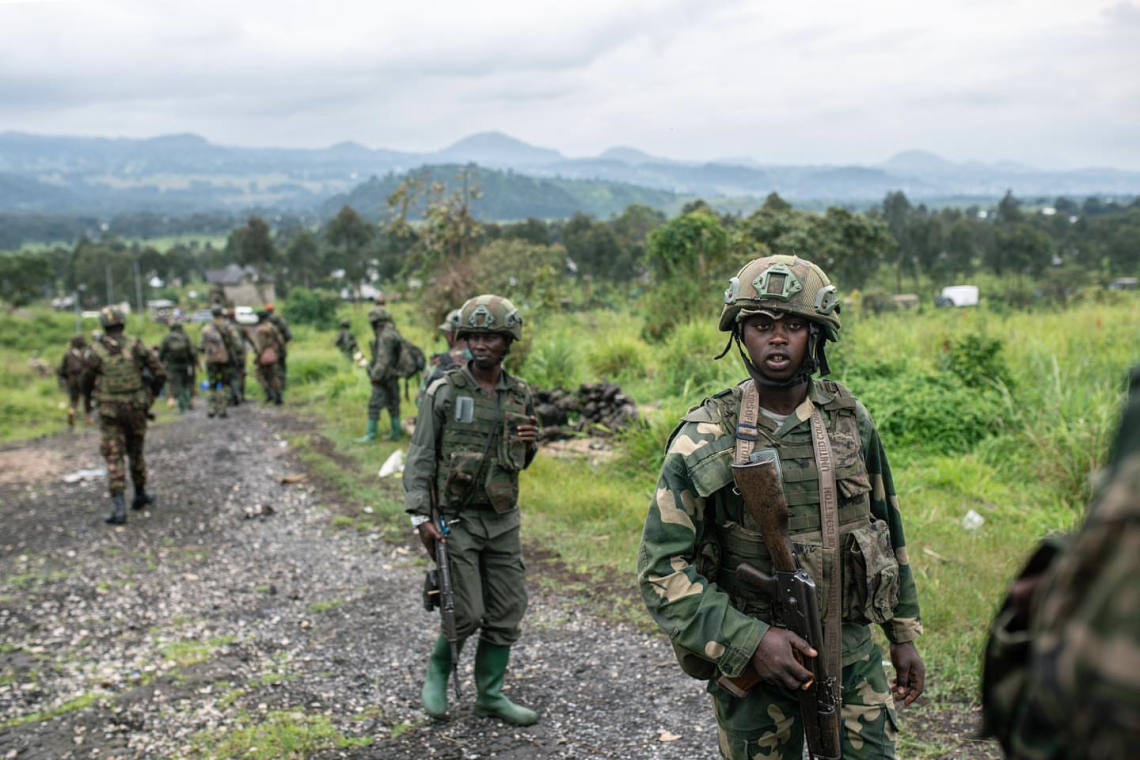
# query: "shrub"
{"points": [[977, 361], [687, 367], [552, 363], [312, 307], [623, 356]]}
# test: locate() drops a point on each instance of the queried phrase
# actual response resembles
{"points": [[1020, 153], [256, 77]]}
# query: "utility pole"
{"points": [[138, 290]]}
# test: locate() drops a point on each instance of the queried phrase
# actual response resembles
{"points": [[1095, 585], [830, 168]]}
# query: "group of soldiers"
{"points": [[720, 564], [122, 376]]}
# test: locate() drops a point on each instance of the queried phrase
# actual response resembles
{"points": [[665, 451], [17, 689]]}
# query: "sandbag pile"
{"points": [[598, 409]]}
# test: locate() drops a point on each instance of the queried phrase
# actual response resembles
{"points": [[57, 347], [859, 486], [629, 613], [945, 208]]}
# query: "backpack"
{"points": [[120, 375], [409, 360], [74, 363], [178, 348], [213, 346]]}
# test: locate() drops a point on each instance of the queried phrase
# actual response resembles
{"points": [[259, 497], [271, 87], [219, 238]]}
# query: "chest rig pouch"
{"points": [[480, 456], [120, 379]]}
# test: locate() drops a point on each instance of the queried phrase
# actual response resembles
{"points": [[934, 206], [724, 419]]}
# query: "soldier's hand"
{"points": [[528, 433], [429, 534], [779, 659], [910, 672]]}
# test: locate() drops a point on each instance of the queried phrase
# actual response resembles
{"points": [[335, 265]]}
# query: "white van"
{"points": [[958, 295]]}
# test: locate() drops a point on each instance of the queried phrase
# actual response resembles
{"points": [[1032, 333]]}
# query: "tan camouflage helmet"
{"points": [[451, 322], [111, 317], [379, 314], [786, 284], [489, 314]]}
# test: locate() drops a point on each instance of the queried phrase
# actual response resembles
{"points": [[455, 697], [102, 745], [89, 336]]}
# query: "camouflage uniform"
{"points": [[266, 338], [218, 350], [238, 339], [697, 531], [385, 386], [286, 336], [114, 373], [346, 341], [71, 368], [178, 356], [1065, 684], [464, 451]]}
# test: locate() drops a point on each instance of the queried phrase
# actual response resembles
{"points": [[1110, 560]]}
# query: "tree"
{"points": [[304, 260], [896, 213], [775, 203], [252, 245], [24, 277], [348, 233]]}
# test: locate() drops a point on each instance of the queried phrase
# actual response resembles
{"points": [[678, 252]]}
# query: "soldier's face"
{"points": [[777, 347], [487, 349]]}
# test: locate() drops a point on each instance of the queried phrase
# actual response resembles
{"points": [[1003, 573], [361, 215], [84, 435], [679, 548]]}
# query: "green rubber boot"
{"points": [[370, 436], [434, 692], [490, 670], [396, 433]]}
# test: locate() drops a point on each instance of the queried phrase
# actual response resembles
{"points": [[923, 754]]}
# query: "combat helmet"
{"points": [[450, 323], [111, 317], [345, 323], [779, 285], [379, 314], [489, 314]]}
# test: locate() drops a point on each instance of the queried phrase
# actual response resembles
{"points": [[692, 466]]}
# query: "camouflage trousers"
{"points": [[180, 384], [75, 394], [488, 578], [385, 395], [766, 724], [281, 370], [269, 378], [237, 382], [122, 429], [220, 377]]}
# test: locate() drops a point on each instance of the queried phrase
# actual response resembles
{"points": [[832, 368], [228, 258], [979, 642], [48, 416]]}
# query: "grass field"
{"points": [[1018, 446]]}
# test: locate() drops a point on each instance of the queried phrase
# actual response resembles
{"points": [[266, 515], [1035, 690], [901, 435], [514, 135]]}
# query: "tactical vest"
{"points": [[119, 380], [214, 345], [868, 571], [465, 477], [176, 347]]}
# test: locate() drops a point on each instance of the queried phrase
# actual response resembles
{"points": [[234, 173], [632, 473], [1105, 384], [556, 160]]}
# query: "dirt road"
{"points": [[195, 631]]}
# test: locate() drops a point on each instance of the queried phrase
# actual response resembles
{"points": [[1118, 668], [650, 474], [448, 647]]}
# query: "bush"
{"points": [[623, 356], [977, 361], [312, 307], [687, 368], [552, 363]]}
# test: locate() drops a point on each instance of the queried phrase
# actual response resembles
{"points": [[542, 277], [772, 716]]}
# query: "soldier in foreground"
{"points": [[70, 373], [178, 356], [835, 488], [1061, 666], [286, 336], [122, 374], [475, 432], [268, 345], [346, 341], [217, 350], [385, 384]]}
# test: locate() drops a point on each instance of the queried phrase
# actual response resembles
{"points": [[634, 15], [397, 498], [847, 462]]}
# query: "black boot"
{"points": [[118, 513], [277, 398], [141, 500]]}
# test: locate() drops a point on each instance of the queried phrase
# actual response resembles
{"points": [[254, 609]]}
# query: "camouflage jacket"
{"points": [[346, 342], [267, 336], [1082, 694], [282, 327], [166, 349], [698, 614], [385, 349], [144, 361], [238, 339], [424, 458]]}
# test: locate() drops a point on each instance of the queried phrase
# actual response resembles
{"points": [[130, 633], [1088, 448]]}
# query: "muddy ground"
{"points": [[210, 627]]}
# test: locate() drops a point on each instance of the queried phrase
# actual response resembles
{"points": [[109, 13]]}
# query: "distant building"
{"points": [[239, 286]]}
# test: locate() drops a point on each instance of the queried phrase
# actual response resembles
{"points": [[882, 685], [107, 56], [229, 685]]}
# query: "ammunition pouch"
{"points": [[870, 575], [463, 468]]}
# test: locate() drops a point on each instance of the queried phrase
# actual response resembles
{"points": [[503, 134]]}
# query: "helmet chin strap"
{"points": [[813, 360]]}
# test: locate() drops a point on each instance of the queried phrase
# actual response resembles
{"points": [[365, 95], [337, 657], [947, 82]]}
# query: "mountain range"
{"points": [[180, 174]]}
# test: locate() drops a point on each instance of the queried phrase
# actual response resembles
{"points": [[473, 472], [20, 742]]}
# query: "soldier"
{"points": [[385, 384], [475, 432], [456, 354], [268, 345], [115, 371], [286, 335], [238, 338], [177, 354], [783, 310], [1060, 680], [70, 373], [218, 350], [346, 341]]}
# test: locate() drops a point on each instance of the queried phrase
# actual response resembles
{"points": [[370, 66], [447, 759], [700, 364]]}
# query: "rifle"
{"points": [[437, 588], [794, 601]]}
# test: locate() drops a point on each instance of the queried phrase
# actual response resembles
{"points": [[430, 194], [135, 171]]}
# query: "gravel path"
{"points": [[194, 631]]}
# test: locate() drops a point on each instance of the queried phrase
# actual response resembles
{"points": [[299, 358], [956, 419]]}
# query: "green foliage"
{"points": [[552, 362], [275, 735], [311, 307], [23, 277], [526, 273], [616, 359], [687, 368], [977, 361]]}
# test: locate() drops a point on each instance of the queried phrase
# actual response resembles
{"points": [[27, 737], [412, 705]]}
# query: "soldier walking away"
{"points": [[122, 375], [238, 338], [217, 350], [475, 432], [831, 500], [1060, 674], [70, 373], [178, 356], [286, 335], [346, 341], [385, 384], [268, 345]]}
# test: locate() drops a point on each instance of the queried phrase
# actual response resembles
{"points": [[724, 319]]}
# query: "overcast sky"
{"points": [[1052, 83]]}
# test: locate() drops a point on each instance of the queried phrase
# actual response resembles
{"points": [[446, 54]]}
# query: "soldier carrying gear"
{"points": [[475, 432], [70, 374], [177, 354], [346, 341], [386, 344], [286, 336], [115, 375], [456, 354], [238, 339], [268, 346], [842, 520], [217, 348]]}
